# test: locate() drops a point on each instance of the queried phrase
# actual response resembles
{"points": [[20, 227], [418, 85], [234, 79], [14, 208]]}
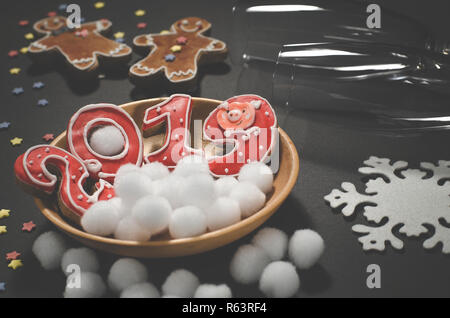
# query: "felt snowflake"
{"points": [[412, 200]]}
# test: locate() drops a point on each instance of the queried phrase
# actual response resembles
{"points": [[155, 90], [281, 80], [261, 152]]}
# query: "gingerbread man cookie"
{"points": [[177, 53], [82, 46]]}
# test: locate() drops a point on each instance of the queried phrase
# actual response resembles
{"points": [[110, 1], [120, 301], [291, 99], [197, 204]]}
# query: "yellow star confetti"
{"points": [[176, 48], [29, 36], [119, 35], [24, 50], [99, 5], [14, 70], [15, 264], [16, 141], [164, 32], [139, 13], [4, 213], [3, 229]]}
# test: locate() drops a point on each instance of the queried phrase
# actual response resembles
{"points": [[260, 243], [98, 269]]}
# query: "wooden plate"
{"points": [[163, 246]]}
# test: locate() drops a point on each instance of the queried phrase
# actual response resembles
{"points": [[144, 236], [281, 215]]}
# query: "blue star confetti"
{"points": [[121, 40], [5, 125], [169, 58], [17, 90], [62, 7], [38, 85], [2, 286], [42, 102]]}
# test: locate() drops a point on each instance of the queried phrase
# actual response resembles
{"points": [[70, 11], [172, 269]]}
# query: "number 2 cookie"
{"points": [[81, 47], [176, 54]]}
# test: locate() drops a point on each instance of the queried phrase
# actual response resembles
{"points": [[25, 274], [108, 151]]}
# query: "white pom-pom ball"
{"points": [[121, 208], [250, 198], [126, 272], [84, 257], [130, 230], [187, 221], [91, 285], [273, 241], [170, 188], [224, 185], [279, 280], [49, 248], [198, 191], [191, 166], [152, 213], [107, 141], [305, 248], [155, 170], [213, 291], [141, 290], [248, 263], [101, 218], [125, 169], [222, 213], [132, 186], [259, 174], [181, 283]]}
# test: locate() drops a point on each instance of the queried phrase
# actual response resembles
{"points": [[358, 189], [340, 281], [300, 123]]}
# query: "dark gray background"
{"points": [[328, 157]]}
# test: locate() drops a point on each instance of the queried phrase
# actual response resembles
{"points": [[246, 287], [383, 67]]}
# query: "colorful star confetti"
{"points": [[99, 5], [62, 7], [38, 85], [18, 91], [2, 286], [29, 36], [4, 213], [14, 70], [164, 32], [48, 137], [3, 229], [13, 53], [28, 226], [42, 102], [23, 22], [51, 14], [119, 40], [12, 256], [24, 50], [5, 125], [141, 25], [16, 141], [119, 35], [14, 264], [139, 13]]}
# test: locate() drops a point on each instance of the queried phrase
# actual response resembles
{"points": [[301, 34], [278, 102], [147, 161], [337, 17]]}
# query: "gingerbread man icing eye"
{"points": [[236, 116]]}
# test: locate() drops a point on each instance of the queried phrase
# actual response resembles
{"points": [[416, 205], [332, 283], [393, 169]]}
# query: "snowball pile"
{"points": [[127, 277], [187, 202], [262, 261]]}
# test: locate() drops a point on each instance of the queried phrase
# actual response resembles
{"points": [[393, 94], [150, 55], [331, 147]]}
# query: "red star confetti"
{"points": [[28, 226], [51, 14], [13, 53], [48, 137], [141, 25], [12, 255], [23, 22]]}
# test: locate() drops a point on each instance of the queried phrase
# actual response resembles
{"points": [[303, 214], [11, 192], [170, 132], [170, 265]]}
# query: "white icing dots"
{"points": [[80, 197], [47, 150], [226, 170]]}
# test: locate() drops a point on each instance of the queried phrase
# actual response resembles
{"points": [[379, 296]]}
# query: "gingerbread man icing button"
{"points": [[81, 46], [176, 54]]}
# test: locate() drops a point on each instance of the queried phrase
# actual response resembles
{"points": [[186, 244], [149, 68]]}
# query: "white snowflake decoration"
{"points": [[410, 198]]}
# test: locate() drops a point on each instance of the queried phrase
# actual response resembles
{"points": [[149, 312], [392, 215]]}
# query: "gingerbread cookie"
{"points": [[249, 123], [177, 53], [81, 47], [34, 172]]}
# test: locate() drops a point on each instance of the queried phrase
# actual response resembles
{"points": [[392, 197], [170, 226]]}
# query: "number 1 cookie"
{"points": [[81, 47], [176, 54]]}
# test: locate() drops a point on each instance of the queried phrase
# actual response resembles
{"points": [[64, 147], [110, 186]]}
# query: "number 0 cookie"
{"points": [[81, 47], [176, 54]]}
